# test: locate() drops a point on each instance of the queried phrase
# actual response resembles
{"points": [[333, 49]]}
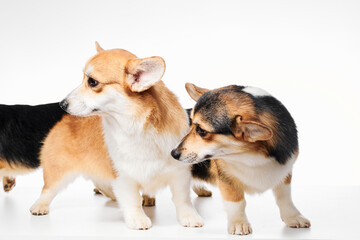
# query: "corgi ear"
{"points": [[142, 74], [99, 49], [194, 91], [250, 131]]}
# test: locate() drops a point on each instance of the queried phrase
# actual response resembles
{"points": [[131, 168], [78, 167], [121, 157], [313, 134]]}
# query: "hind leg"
{"points": [[288, 212], [97, 191], [8, 183], [148, 201], [54, 182], [105, 189]]}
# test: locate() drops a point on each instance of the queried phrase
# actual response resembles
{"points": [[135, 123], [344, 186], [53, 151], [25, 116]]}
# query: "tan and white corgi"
{"points": [[247, 142], [142, 121]]}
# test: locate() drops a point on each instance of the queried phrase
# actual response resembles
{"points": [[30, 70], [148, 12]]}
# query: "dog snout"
{"points": [[175, 153], [64, 104]]}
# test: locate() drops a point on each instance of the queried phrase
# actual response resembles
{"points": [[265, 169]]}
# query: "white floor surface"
{"points": [[76, 213]]}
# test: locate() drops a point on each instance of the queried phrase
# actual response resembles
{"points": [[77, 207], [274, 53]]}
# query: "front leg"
{"points": [[127, 194], [288, 212], [234, 203], [180, 189]]}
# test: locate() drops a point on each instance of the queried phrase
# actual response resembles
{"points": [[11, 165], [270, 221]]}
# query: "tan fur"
{"points": [[232, 103], [98, 47], [8, 183], [230, 191], [231, 188], [142, 120], [75, 145], [194, 91], [7, 169], [287, 179], [161, 107], [201, 191], [248, 113], [109, 66], [228, 182], [239, 107], [112, 67], [148, 201], [245, 144]]}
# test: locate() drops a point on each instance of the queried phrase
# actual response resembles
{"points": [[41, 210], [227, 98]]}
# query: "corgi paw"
{"points": [[138, 222], [97, 191], [39, 209], [8, 183], [191, 220], [297, 221], [239, 228], [148, 201]]}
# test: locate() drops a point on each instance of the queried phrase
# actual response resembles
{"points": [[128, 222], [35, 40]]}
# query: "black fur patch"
{"points": [[22, 130], [188, 111], [201, 170], [286, 134], [213, 109]]}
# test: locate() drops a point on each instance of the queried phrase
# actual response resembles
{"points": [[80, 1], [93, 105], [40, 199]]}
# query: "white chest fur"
{"points": [[257, 172], [141, 154]]}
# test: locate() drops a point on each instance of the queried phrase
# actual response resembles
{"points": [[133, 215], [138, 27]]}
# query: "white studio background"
{"points": [[306, 53]]}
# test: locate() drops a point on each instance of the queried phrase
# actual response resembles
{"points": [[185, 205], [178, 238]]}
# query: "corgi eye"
{"points": [[200, 131], [92, 82]]}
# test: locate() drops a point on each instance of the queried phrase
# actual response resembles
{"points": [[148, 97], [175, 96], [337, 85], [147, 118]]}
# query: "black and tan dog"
{"points": [[22, 130], [251, 141]]}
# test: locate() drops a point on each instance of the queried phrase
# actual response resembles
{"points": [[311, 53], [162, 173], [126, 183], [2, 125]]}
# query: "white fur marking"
{"points": [[143, 161], [237, 220], [89, 69], [257, 92], [258, 172], [288, 212], [41, 206]]}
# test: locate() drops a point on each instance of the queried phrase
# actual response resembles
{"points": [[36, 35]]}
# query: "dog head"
{"points": [[225, 123], [111, 77]]}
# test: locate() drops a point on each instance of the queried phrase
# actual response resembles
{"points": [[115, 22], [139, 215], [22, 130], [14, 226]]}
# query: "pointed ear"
{"points": [[194, 91], [142, 74], [250, 131], [99, 49]]}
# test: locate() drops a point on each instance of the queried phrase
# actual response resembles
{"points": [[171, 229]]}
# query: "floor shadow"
{"points": [[112, 204], [298, 233]]}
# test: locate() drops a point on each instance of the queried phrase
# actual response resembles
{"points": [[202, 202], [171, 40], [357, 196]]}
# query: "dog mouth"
{"points": [[193, 158], [81, 110]]}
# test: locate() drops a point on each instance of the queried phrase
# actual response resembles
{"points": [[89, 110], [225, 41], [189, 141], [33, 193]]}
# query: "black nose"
{"points": [[64, 104], [175, 153]]}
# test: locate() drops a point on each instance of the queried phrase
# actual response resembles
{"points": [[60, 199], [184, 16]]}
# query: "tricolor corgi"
{"points": [[142, 121], [247, 142], [22, 131]]}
